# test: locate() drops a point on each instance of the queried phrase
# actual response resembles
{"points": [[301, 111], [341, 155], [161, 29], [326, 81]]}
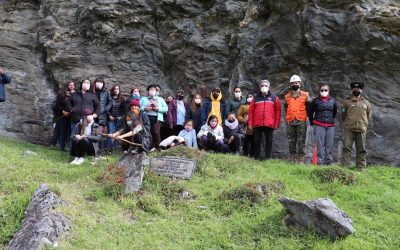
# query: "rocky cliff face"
{"points": [[182, 43]]}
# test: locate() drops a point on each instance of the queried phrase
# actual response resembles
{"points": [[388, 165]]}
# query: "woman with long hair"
{"points": [[114, 115], [242, 116], [85, 139], [195, 106]]}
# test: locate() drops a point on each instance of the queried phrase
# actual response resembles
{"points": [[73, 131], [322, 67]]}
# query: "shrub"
{"points": [[331, 174]]}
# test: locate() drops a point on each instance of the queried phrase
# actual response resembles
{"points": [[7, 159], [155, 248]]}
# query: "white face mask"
{"points": [[238, 95], [197, 101], [249, 99], [264, 89], [324, 94], [152, 92], [89, 118], [136, 93]]}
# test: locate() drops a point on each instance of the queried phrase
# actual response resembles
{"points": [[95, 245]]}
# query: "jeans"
{"points": [[64, 126], [111, 129]]}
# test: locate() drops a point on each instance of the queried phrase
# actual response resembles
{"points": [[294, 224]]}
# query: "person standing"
{"points": [[263, 118], [155, 107], [62, 130], [296, 102], [243, 117], [81, 100], [178, 113], [214, 105], [322, 113], [195, 111], [4, 79], [233, 104], [114, 115], [356, 113]]}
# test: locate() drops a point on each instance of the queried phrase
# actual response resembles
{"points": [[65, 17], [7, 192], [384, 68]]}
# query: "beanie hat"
{"points": [[134, 102], [87, 112]]}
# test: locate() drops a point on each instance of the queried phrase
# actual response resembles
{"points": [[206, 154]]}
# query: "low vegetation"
{"points": [[231, 202]]}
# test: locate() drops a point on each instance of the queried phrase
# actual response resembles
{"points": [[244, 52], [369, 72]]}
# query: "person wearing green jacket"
{"points": [[356, 113]]}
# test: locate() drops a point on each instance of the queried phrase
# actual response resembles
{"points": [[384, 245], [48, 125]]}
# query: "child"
{"points": [[211, 135], [189, 134]]}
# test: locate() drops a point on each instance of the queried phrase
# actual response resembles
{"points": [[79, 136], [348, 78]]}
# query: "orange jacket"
{"points": [[296, 107]]}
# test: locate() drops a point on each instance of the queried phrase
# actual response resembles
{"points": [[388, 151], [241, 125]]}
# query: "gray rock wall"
{"points": [[182, 43]]}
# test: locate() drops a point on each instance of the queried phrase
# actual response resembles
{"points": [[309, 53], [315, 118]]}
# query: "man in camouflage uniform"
{"points": [[356, 112], [296, 102]]}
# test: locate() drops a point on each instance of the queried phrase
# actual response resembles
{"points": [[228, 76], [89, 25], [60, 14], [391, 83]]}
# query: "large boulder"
{"points": [[321, 215], [42, 227], [133, 169], [181, 44]]}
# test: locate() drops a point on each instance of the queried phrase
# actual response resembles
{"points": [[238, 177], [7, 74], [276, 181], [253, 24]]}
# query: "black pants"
{"points": [[155, 131], [82, 147], [236, 144], [248, 145], [257, 139]]}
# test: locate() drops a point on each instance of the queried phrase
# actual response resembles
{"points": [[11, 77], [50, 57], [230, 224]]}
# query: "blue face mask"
{"points": [[129, 123]]}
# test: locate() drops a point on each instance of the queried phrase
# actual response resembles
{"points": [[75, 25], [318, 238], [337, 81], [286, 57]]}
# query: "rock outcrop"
{"points": [[181, 44], [42, 227], [133, 166]]}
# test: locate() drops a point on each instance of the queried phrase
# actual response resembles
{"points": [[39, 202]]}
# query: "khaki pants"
{"points": [[361, 153]]}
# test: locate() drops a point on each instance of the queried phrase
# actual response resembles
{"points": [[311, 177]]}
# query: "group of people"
{"points": [[239, 125]]}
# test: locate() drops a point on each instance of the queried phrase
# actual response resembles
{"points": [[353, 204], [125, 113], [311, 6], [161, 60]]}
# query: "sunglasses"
{"points": [[323, 90]]}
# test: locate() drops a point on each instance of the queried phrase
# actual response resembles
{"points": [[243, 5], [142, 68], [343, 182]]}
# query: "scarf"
{"points": [[216, 108], [232, 125]]}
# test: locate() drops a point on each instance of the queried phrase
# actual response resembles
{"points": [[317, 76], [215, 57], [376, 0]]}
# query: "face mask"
{"points": [[99, 85], [324, 94], [356, 93], [180, 97], [188, 128], [152, 93], [89, 118], [238, 95], [231, 120], [264, 90], [215, 95], [249, 99], [295, 87], [213, 124], [197, 101], [135, 94], [116, 92], [129, 123], [157, 93]]}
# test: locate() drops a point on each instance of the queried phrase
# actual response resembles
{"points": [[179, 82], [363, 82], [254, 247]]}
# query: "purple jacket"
{"points": [[172, 113]]}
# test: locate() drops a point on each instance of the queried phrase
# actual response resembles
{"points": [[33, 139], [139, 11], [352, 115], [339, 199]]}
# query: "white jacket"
{"points": [[218, 132]]}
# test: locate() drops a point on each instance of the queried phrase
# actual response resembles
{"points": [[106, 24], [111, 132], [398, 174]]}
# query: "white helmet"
{"points": [[295, 78]]}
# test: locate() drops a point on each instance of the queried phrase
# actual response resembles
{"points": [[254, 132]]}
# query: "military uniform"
{"points": [[356, 113]]}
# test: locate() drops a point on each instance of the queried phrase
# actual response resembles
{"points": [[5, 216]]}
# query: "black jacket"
{"points": [[105, 101], [78, 102], [4, 79], [322, 111]]}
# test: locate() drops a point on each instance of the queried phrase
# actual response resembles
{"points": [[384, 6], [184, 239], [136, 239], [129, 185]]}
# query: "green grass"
{"points": [[221, 210]]}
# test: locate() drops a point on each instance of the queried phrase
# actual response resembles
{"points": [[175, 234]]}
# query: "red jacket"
{"points": [[265, 111]]}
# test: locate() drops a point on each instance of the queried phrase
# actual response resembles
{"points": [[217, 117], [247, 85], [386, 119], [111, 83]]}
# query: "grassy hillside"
{"points": [[221, 211]]}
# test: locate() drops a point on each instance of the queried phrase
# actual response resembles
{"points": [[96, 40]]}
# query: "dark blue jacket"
{"points": [[322, 112], [207, 109], [4, 79]]}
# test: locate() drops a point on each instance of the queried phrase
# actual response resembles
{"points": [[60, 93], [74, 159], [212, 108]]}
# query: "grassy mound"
{"points": [[229, 203], [331, 174]]}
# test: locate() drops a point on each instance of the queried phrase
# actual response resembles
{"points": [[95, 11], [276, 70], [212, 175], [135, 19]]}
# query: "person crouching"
{"points": [[85, 138], [211, 135]]}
